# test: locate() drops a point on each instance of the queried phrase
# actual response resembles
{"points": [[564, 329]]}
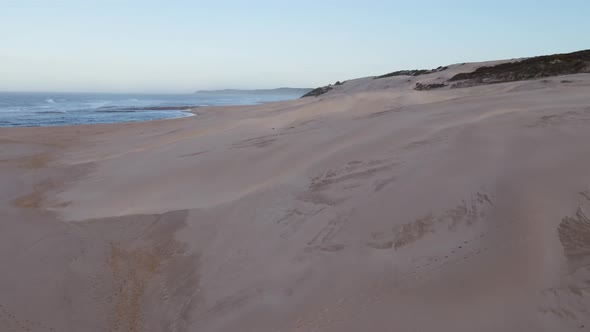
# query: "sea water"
{"points": [[58, 109]]}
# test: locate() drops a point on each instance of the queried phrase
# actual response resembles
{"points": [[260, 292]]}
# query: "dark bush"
{"points": [[423, 87], [318, 91], [413, 72], [541, 66]]}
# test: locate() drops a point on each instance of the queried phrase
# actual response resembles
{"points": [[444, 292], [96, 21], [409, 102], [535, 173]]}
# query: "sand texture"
{"points": [[373, 207]]}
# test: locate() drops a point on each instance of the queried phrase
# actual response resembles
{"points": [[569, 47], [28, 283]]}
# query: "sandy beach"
{"points": [[374, 207]]}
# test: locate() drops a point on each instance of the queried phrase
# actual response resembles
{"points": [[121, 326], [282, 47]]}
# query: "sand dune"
{"points": [[373, 207]]}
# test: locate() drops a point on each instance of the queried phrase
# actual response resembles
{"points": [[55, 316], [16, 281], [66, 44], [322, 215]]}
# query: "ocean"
{"points": [[58, 109]]}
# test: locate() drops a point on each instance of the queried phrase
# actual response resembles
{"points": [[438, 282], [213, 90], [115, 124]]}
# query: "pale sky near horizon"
{"points": [[181, 46]]}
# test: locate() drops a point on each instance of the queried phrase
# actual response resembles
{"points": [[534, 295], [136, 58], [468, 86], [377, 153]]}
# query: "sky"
{"points": [[179, 46]]}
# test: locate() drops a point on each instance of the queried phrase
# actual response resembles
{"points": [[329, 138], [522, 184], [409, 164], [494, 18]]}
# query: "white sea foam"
{"points": [[51, 112], [100, 108]]}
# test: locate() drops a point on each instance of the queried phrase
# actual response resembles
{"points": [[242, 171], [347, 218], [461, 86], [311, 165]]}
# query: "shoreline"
{"points": [[189, 113], [38, 110], [194, 111]]}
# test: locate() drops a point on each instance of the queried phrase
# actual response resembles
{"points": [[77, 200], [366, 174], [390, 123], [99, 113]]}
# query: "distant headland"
{"points": [[277, 91]]}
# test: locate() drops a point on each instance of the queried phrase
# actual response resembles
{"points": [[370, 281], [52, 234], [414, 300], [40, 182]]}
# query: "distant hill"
{"points": [[278, 91]]}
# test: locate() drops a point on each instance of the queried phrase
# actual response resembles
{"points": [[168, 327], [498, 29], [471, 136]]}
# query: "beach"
{"points": [[375, 206]]}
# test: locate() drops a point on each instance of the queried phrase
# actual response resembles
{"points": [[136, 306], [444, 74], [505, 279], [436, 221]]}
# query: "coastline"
{"points": [[59, 109], [381, 205]]}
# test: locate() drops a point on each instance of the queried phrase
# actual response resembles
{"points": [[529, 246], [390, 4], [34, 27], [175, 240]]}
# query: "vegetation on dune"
{"points": [[541, 66], [527, 69], [321, 90], [413, 72], [424, 87], [317, 91]]}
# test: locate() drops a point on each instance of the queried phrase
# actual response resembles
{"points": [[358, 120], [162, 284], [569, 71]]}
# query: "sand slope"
{"points": [[376, 208]]}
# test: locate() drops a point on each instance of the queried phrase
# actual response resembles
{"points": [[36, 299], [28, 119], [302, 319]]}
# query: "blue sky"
{"points": [[181, 46]]}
